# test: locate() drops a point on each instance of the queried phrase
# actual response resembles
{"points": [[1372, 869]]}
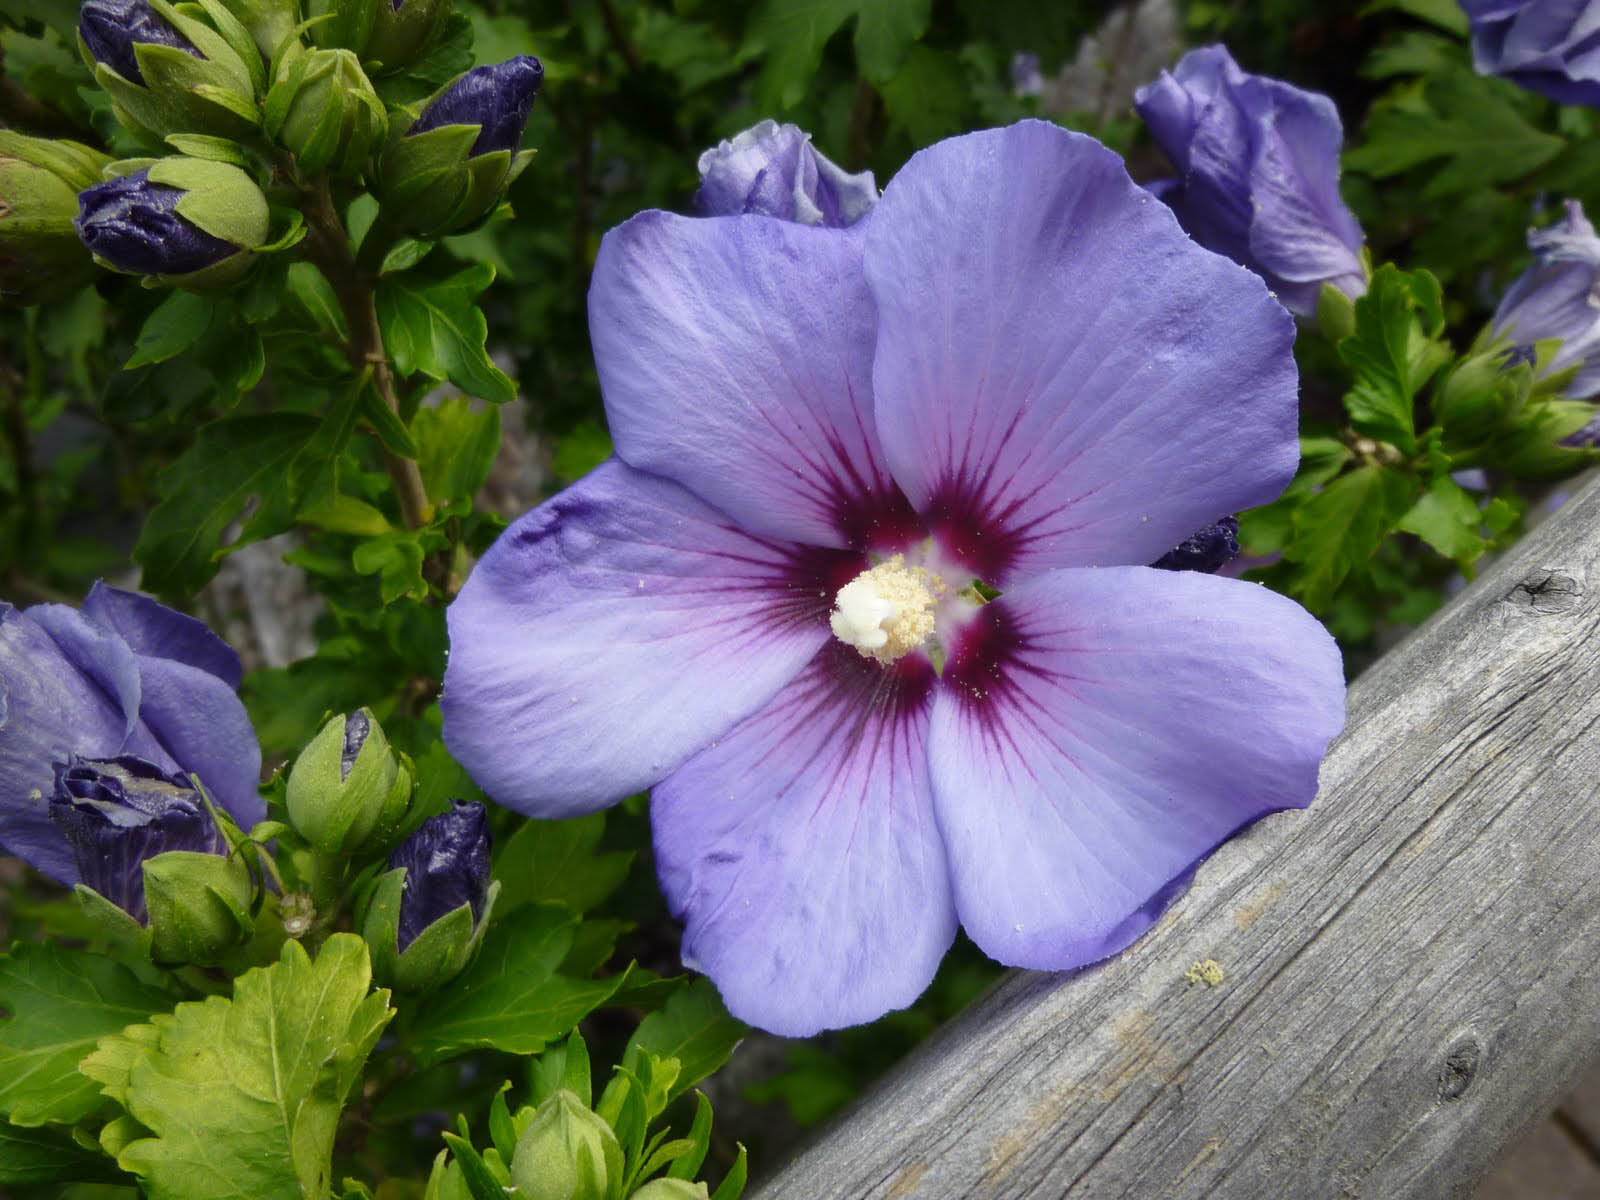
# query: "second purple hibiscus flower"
{"points": [[1018, 372]]}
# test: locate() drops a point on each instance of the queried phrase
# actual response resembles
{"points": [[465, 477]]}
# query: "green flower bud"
{"points": [[672, 1189], [567, 1153], [427, 913], [270, 22], [447, 169], [388, 35], [41, 258], [199, 906], [322, 109], [194, 70], [347, 791], [185, 221]]}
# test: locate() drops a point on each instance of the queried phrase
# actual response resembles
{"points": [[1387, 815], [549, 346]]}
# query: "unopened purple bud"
{"points": [[1555, 299], [1258, 166], [111, 28], [117, 812], [356, 727], [134, 225], [1204, 550], [496, 99], [447, 865], [774, 170]]}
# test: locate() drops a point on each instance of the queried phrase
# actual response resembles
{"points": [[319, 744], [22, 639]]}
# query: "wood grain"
{"points": [[1409, 972]]}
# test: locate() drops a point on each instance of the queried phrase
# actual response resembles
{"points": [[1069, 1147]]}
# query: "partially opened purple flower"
{"points": [[116, 813], [1017, 370], [774, 170], [1558, 297], [1548, 46], [1258, 174], [122, 676]]}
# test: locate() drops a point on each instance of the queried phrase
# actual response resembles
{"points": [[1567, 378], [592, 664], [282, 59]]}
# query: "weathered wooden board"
{"points": [[1410, 972]]}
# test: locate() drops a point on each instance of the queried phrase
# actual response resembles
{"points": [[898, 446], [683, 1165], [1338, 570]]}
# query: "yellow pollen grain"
{"points": [[914, 591]]}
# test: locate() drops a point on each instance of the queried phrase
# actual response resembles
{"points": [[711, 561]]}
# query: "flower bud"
{"points": [[347, 791], [41, 257], [116, 813], [388, 35], [449, 168], [199, 906], [270, 22], [1258, 163], [774, 170], [1206, 550], [322, 109], [671, 1189], [428, 912], [185, 221], [1553, 300], [566, 1153], [1547, 48], [169, 71]]}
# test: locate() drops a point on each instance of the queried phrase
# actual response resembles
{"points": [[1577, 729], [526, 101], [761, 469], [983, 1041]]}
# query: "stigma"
{"points": [[888, 611]]}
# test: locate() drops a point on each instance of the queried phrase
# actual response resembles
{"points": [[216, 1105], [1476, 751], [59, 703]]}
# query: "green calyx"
{"points": [[436, 955], [199, 906], [214, 93], [671, 1189], [386, 37], [567, 1152], [348, 795], [322, 109], [41, 257], [433, 185]]}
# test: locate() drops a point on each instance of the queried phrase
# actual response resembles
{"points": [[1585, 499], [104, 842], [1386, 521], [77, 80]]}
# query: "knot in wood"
{"points": [[1459, 1069], [1546, 593]]}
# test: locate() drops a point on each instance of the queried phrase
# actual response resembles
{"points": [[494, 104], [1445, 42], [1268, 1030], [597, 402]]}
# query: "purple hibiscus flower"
{"points": [[1258, 164], [122, 676], [1547, 46], [1018, 370]]}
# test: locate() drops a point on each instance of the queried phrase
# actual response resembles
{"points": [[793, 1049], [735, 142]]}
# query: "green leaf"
{"points": [[1394, 351], [1446, 14], [794, 32], [732, 1185], [922, 100], [208, 486], [1339, 529], [456, 446], [1469, 120], [557, 861], [511, 998], [1448, 519], [50, 1156], [242, 1096], [177, 323], [884, 31], [61, 1002], [438, 329], [480, 1181], [396, 558], [693, 1027]]}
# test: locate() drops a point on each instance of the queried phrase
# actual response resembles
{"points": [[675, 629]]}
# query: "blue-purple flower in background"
{"points": [[1018, 374], [1258, 174], [1558, 297], [122, 676], [1547, 46], [775, 171]]}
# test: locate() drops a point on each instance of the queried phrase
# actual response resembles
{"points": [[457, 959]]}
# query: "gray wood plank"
{"points": [[1545, 1165], [1409, 973]]}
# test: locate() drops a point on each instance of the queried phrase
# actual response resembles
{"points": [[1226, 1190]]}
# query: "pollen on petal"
{"points": [[888, 611]]}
